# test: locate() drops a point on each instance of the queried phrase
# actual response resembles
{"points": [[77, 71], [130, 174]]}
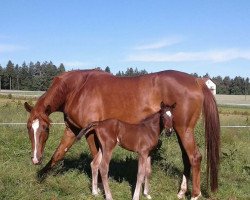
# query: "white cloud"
{"points": [[10, 48], [158, 44], [214, 56]]}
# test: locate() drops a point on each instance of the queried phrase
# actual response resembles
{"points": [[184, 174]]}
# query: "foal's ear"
{"points": [[28, 107], [162, 105], [173, 106]]}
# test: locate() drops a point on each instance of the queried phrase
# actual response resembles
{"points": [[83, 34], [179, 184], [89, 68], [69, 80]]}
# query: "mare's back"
{"points": [[130, 99]]}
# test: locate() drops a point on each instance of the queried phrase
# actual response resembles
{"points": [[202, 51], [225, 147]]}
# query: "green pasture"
{"points": [[71, 179]]}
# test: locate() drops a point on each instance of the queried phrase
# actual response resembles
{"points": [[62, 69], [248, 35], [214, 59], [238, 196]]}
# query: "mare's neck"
{"points": [[53, 99]]}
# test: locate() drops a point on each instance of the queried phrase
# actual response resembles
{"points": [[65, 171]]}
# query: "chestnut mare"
{"points": [[91, 95], [140, 138]]}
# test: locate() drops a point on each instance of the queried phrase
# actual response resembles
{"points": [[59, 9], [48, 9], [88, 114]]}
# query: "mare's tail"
{"points": [[85, 130], [212, 135]]}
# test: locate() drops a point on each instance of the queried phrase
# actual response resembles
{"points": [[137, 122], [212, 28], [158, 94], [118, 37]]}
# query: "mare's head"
{"points": [[167, 117], [38, 129]]}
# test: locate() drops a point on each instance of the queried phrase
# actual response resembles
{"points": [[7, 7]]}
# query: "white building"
{"points": [[211, 85]]}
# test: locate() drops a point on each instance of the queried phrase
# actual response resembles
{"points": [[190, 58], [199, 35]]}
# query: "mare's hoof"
{"points": [[196, 198]]}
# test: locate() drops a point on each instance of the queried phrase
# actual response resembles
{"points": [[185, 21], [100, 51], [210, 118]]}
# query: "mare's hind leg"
{"points": [[186, 172], [140, 175], [147, 176], [194, 156]]}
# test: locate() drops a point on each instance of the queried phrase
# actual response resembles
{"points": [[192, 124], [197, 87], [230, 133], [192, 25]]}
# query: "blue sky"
{"points": [[192, 36]]}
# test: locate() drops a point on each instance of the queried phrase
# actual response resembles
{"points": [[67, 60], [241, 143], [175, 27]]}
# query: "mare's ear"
{"points": [[48, 110], [28, 107]]}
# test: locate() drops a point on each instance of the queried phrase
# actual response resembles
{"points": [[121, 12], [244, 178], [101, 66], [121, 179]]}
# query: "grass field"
{"points": [[71, 179]]}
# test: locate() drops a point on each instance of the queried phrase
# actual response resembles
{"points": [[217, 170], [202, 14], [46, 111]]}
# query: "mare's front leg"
{"points": [[147, 177], [140, 175], [190, 151], [66, 142]]}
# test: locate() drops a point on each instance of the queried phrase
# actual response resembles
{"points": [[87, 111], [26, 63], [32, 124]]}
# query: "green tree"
{"points": [[195, 75], [120, 73], [226, 85], [107, 69], [61, 69], [1, 76], [220, 89], [10, 73], [25, 78], [247, 86], [237, 86], [131, 72]]}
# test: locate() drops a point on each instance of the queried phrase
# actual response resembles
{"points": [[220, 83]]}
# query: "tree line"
{"points": [[38, 76], [32, 76]]}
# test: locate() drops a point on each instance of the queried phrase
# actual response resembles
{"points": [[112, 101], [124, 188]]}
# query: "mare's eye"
{"points": [[46, 128]]}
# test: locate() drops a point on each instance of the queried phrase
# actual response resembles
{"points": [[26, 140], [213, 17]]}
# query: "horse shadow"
{"points": [[119, 170]]}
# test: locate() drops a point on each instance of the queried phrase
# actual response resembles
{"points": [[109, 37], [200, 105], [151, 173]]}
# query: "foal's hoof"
{"points": [[196, 198], [181, 194], [96, 192], [147, 196]]}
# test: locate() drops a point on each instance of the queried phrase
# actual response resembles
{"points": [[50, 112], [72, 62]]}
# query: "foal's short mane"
{"points": [[150, 117]]}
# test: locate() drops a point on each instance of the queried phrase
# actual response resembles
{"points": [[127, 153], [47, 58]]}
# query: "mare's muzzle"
{"points": [[36, 161]]}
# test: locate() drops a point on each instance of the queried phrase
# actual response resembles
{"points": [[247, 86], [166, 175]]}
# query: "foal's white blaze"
{"points": [[35, 126], [168, 113]]}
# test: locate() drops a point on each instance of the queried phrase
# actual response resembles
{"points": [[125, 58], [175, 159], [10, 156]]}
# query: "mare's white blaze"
{"points": [[168, 113], [183, 190], [35, 126]]}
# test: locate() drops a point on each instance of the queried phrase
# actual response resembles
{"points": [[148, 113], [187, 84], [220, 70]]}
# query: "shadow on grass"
{"points": [[119, 170]]}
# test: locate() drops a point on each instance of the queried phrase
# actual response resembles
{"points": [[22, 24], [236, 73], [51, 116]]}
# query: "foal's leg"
{"points": [[189, 145], [147, 176], [104, 168], [140, 175], [94, 168]]}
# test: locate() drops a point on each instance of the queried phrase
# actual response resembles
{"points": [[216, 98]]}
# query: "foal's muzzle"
{"points": [[168, 132]]}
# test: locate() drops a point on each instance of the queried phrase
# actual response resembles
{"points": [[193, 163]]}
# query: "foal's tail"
{"points": [[85, 130], [212, 135]]}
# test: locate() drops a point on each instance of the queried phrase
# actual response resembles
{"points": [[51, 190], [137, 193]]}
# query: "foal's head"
{"points": [[167, 117]]}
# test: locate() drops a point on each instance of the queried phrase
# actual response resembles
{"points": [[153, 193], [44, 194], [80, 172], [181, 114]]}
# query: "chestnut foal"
{"points": [[140, 138]]}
